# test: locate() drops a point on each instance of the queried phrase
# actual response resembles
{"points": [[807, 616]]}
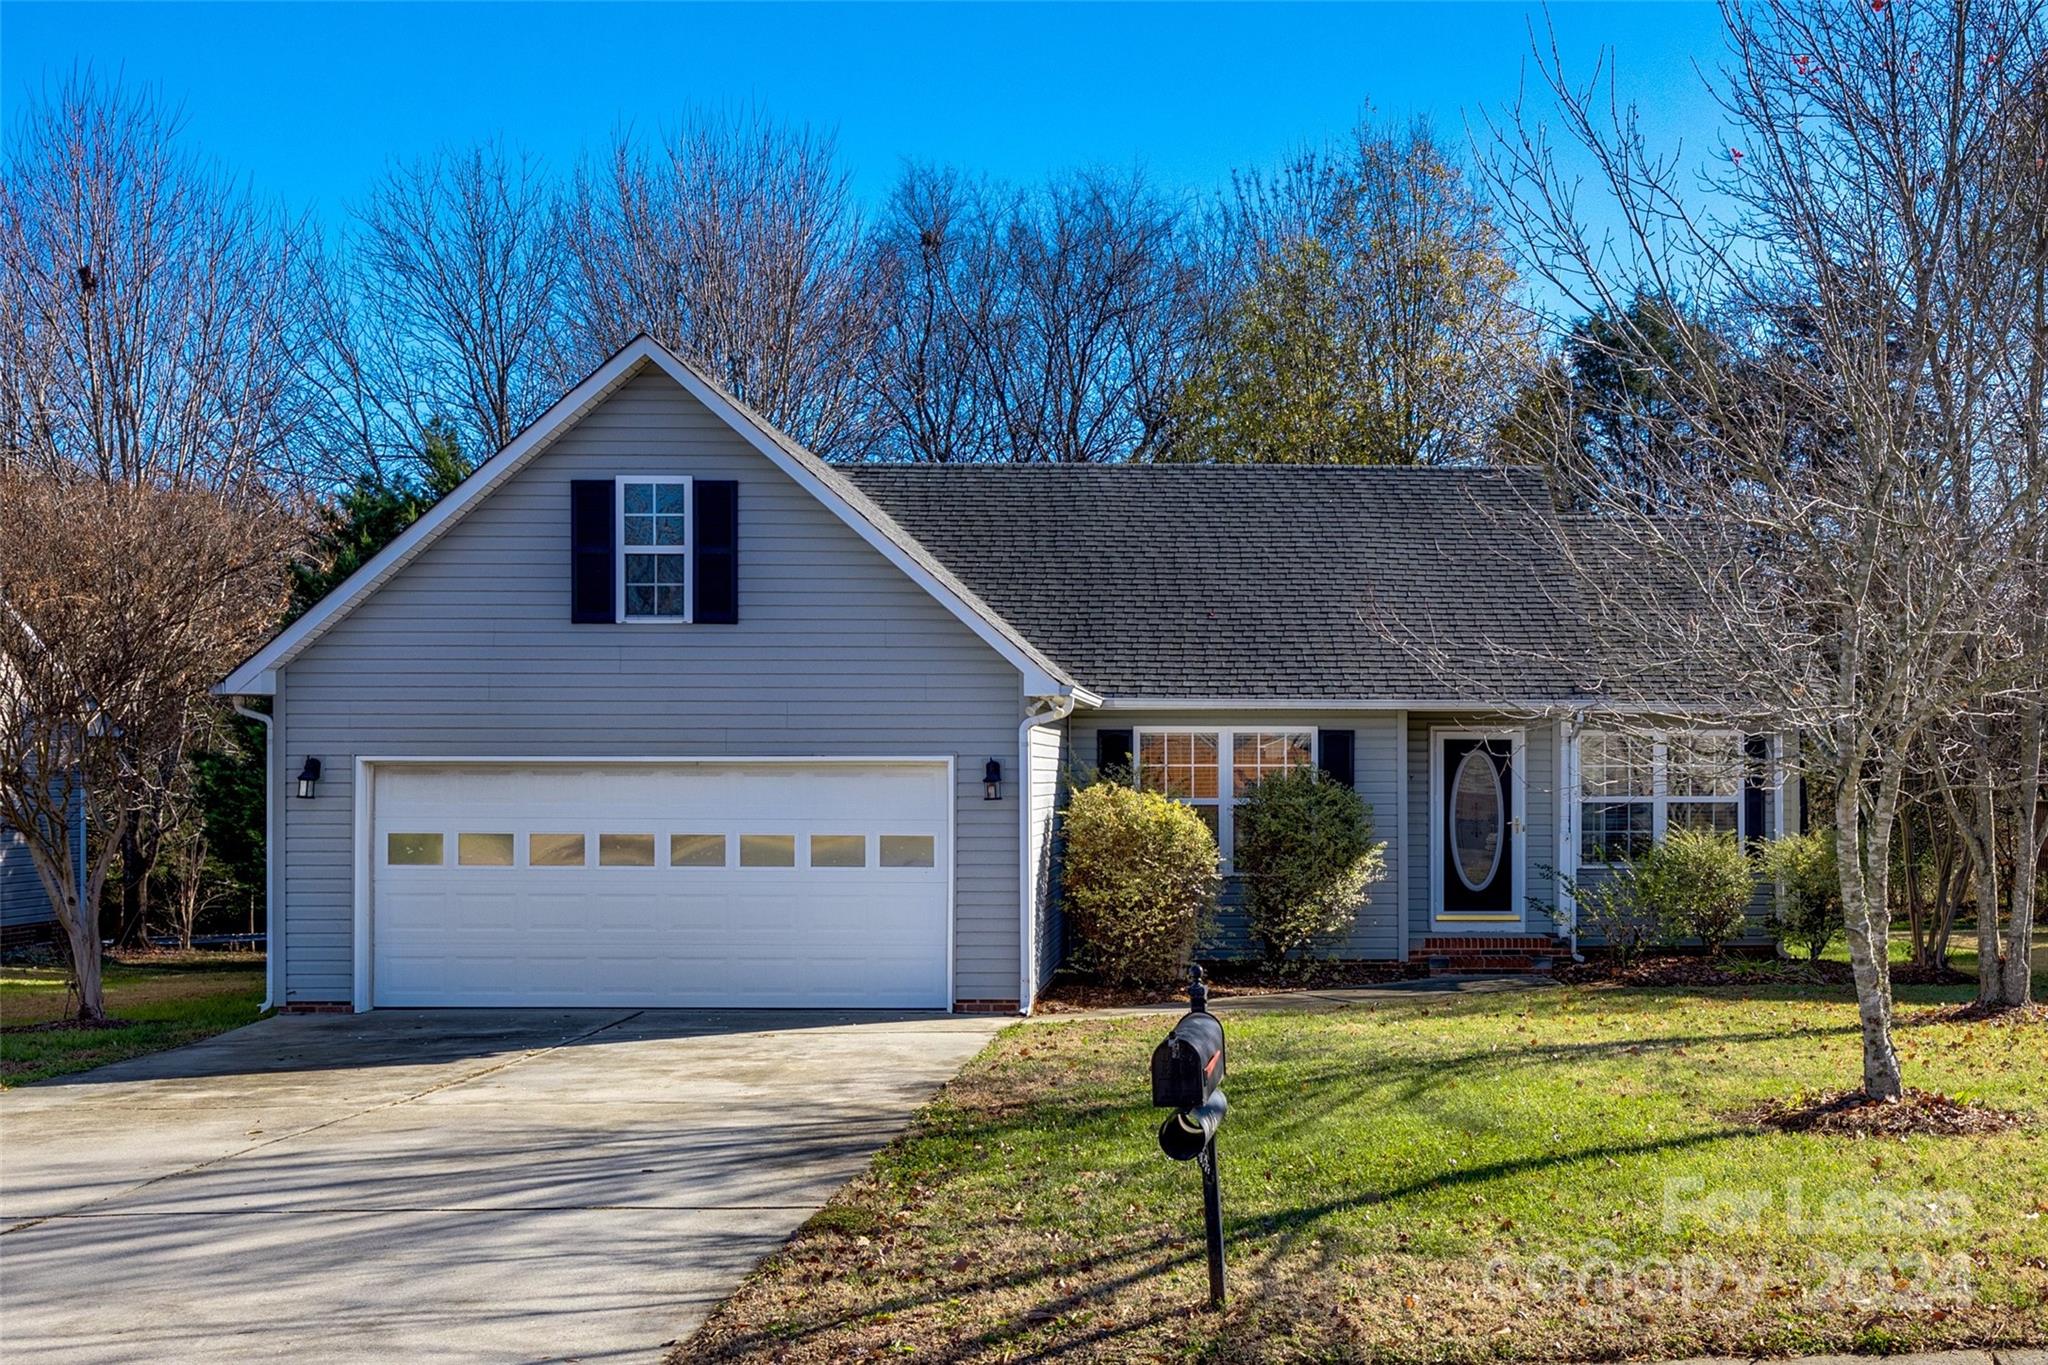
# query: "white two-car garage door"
{"points": [[661, 884]]}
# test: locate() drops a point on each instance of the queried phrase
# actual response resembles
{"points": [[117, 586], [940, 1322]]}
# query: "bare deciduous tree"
{"points": [[145, 304], [149, 400], [1853, 513], [736, 243], [459, 265], [122, 606], [1047, 326]]}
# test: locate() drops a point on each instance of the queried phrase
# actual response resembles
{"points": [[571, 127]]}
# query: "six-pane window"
{"points": [[1196, 766], [1634, 788], [654, 518]]}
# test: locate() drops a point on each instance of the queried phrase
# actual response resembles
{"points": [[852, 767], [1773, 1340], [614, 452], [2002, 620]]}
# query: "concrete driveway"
{"points": [[439, 1185]]}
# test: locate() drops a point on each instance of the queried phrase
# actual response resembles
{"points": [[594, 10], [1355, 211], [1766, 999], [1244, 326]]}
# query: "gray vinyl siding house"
{"points": [[580, 741], [26, 914]]}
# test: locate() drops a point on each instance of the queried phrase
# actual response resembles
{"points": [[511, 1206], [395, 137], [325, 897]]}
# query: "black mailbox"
{"points": [[1188, 1066], [1187, 1077]]}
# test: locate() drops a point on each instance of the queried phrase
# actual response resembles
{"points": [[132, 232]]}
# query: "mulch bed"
{"points": [[1682, 970], [1072, 992], [1852, 1113], [1975, 1013]]}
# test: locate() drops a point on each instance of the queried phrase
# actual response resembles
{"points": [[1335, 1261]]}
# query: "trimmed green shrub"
{"points": [[1139, 877], [1611, 908], [1698, 883], [1810, 913], [1306, 853]]}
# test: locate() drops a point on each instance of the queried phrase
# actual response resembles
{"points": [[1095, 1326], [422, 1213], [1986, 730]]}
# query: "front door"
{"points": [[1478, 827]]}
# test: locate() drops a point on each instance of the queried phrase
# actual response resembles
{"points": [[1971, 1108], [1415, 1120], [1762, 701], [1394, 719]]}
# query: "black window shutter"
{"points": [[715, 552], [1336, 749], [1756, 787], [1113, 752], [592, 573]]}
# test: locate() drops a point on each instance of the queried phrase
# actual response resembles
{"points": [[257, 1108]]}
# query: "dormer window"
{"points": [[654, 548]]}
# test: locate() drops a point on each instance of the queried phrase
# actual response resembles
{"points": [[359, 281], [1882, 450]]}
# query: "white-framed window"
{"points": [[653, 536], [1636, 788], [1197, 767]]}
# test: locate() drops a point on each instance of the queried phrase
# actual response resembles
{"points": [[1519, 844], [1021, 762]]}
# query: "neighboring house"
{"points": [[659, 709], [26, 914]]}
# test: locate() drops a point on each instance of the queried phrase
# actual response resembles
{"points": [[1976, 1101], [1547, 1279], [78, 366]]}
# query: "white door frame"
{"points": [[364, 797], [1518, 825]]}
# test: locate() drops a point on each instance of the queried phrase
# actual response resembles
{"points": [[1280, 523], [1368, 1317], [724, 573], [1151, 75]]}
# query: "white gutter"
{"points": [[1058, 708], [273, 946]]}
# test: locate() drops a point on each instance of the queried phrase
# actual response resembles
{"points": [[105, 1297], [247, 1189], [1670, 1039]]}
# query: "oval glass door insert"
{"points": [[1479, 817]]}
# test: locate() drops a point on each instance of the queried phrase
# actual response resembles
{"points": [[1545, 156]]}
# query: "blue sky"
{"points": [[310, 100]]}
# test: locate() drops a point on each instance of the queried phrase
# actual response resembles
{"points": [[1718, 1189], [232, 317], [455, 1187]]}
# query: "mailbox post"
{"points": [[1187, 1077]]}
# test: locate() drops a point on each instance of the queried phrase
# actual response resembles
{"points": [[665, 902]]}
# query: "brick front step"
{"points": [[1456, 955]]}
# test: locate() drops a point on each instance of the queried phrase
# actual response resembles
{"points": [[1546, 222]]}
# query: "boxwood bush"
{"points": [[1306, 852], [1139, 874], [1698, 883], [1810, 914]]}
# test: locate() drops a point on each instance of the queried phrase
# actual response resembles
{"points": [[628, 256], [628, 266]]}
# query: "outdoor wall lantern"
{"points": [[308, 776], [992, 781]]}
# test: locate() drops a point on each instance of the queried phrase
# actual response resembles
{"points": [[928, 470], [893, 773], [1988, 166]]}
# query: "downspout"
{"points": [[1570, 815], [1058, 708], [273, 954]]}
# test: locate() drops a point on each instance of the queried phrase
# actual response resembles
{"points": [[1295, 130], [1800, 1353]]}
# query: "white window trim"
{"points": [[1226, 800], [1660, 800], [620, 549]]}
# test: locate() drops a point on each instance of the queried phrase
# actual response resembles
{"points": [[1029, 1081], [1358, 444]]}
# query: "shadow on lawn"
{"points": [[1158, 1260]]}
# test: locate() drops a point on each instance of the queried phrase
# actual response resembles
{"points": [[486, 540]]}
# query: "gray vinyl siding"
{"points": [[24, 902], [468, 651], [1376, 776], [1047, 749], [1539, 758]]}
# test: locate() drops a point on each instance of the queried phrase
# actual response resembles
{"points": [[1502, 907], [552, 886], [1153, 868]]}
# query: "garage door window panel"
{"points": [[413, 850], [555, 850], [696, 850], [767, 850], [484, 850], [839, 850], [625, 850], [909, 850]]}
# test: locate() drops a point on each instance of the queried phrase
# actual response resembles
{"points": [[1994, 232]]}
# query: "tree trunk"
{"points": [[1867, 926], [2017, 973], [82, 932], [1984, 883], [134, 884]]}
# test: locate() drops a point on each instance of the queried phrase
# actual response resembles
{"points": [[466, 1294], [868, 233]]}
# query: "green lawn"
{"points": [[1534, 1176], [166, 1000]]}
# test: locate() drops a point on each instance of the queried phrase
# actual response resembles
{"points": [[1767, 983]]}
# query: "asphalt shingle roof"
{"points": [[1261, 581]]}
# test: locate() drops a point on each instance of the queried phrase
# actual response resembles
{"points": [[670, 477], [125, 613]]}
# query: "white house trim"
{"points": [[685, 552], [256, 675]]}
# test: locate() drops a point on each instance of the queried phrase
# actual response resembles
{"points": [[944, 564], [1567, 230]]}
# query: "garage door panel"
{"points": [[871, 932]]}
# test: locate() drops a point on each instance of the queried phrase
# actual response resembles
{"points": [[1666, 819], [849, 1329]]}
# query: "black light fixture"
{"points": [[309, 775], [992, 781]]}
